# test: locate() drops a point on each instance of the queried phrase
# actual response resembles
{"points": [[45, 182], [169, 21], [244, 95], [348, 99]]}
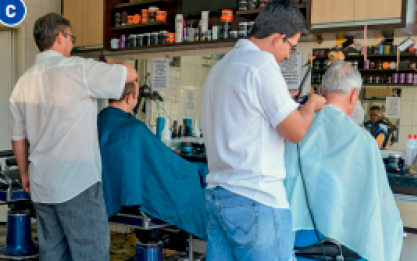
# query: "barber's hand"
{"points": [[26, 183], [318, 100], [294, 93], [113, 61]]}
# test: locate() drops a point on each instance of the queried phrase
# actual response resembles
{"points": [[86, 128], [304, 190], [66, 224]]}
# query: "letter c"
{"points": [[9, 13]]}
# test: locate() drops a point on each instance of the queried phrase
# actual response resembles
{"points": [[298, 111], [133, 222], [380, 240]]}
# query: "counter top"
{"points": [[403, 184], [400, 184]]}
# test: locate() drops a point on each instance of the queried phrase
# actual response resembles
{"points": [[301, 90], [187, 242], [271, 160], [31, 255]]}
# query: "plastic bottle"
{"points": [[166, 132], [409, 152], [415, 149], [179, 23], [160, 124], [196, 129]]}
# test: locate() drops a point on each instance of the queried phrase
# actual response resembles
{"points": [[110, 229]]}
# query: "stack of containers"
{"points": [[226, 24]]}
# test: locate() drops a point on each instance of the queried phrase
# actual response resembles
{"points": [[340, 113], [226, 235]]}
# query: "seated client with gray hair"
{"points": [[345, 179]]}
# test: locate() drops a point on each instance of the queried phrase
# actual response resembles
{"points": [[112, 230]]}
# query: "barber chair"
{"points": [[307, 248], [153, 235], [19, 244]]}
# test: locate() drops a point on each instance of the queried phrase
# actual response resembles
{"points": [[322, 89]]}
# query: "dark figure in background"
{"points": [[380, 127], [175, 130], [187, 132]]}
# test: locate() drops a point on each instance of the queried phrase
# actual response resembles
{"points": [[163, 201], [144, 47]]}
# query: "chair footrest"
{"points": [[331, 250]]}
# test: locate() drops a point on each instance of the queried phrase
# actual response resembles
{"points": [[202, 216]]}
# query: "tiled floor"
{"points": [[409, 252], [122, 248]]}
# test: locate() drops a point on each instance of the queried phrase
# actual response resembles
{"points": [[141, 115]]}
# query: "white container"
{"points": [[166, 132], [409, 152], [415, 149], [215, 32], [179, 27], [204, 21], [196, 129], [114, 43]]}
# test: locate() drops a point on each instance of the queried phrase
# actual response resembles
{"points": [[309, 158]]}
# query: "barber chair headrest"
{"points": [[11, 162], [6, 153]]}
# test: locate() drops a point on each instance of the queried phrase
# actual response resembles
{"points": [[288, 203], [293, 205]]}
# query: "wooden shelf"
{"points": [[379, 85], [387, 70], [250, 14], [127, 27], [177, 46], [319, 70], [388, 84], [143, 2], [403, 55]]}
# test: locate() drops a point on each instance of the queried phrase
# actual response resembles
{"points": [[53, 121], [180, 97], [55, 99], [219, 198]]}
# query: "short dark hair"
{"points": [[375, 108], [280, 16], [47, 28], [130, 88]]}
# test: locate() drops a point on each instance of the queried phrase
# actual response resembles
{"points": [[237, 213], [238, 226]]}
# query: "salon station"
{"points": [[154, 181]]}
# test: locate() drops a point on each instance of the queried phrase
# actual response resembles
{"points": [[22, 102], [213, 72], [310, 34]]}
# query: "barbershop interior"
{"points": [[351, 183]]}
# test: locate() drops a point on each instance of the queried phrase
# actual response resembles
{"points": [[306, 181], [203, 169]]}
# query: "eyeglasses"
{"points": [[73, 38], [293, 47]]}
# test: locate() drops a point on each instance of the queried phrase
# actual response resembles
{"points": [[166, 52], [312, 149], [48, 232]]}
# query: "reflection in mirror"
{"points": [[181, 103]]}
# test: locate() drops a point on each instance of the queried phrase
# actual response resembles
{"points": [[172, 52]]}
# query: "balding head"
{"points": [[129, 98], [341, 86]]}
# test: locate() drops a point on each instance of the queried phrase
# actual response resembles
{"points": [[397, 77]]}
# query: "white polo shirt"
{"points": [[54, 107], [245, 98]]}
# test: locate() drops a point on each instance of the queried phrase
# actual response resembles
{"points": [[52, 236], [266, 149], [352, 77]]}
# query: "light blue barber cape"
{"points": [[139, 170], [347, 187]]}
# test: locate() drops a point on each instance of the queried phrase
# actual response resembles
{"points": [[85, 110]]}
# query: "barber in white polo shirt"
{"points": [[247, 114]]}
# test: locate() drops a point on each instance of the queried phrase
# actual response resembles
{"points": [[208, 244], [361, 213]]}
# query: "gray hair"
{"points": [[341, 77], [47, 28]]}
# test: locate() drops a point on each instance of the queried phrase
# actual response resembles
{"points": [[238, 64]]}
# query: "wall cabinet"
{"points": [[377, 9], [86, 19], [351, 13], [330, 11]]}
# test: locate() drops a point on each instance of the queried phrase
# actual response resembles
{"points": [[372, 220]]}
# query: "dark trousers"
{"points": [[74, 230]]}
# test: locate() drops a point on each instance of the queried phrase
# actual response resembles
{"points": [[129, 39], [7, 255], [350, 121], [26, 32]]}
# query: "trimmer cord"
{"points": [[308, 204]]}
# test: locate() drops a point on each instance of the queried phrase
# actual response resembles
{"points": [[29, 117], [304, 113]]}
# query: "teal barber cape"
{"points": [[347, 187], [139, 170]]}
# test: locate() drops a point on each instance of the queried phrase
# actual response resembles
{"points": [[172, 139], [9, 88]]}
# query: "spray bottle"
{"points": [[160, 123], [409, 152], [196, 129], [166, 133]]}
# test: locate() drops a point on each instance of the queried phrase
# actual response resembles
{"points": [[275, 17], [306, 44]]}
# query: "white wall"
{"points": [[36, 8], [5, 88]]}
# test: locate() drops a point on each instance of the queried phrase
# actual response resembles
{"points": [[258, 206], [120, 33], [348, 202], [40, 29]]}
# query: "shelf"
{"points": [[177, 46], [388, 84], [403, 55], [367, 85], [319, 70], [387, 70], [407, 55], [127, 27], [143, 2], [250, 14]]}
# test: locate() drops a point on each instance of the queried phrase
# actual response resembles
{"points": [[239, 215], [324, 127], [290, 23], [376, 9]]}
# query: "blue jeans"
{"points": [[242, 229]]}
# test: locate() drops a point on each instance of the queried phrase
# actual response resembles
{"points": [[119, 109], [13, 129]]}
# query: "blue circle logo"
{"points": [[12, 12]]}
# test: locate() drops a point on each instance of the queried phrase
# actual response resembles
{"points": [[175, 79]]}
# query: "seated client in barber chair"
{"points": [[139, 170], [345, 179]]}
